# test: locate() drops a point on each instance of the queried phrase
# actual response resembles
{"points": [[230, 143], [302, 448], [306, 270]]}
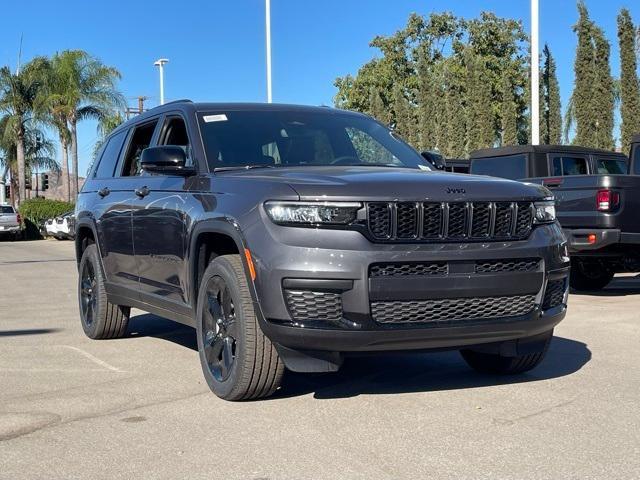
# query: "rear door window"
{"points": [[513, 167], [612, 166], [564, 165], [110, 153]]}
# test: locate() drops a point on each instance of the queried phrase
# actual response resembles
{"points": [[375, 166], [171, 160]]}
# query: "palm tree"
{"points": [[18, 94], [88, 90], [39, 154], [54, 101]]}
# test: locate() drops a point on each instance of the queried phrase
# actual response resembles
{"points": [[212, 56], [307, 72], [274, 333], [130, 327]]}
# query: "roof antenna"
{"points": [[19, 56]]}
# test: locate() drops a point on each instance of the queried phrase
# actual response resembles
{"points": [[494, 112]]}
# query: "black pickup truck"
{"points": [[634, 156], [597, 202]]}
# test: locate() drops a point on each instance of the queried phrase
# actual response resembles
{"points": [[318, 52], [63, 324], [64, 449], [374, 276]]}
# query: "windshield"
{"points": [[283, 138], [6, 209], [513, 167]]}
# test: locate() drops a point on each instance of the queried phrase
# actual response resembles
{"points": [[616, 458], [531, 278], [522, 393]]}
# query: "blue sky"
{"points": [[216, 48]]}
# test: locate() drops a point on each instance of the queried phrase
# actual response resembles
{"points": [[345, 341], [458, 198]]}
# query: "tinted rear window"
{"points": [[513, 167], [6, 209], [110, 154], [563, 166], [613, 166]]}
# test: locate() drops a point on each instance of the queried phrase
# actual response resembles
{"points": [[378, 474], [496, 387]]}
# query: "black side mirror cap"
{"points": [[434, 159], [167, 159]]}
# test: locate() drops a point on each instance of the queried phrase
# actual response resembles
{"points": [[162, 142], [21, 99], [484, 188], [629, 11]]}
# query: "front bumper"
{"points": [[292, 259]]}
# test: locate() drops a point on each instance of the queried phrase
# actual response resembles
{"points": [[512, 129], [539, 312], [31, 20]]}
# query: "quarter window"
{"points": [[110, 153], [612, 166]]}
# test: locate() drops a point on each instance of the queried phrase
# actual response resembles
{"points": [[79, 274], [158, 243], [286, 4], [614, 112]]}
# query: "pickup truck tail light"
{"points": [[607, 200], [18, 218]]}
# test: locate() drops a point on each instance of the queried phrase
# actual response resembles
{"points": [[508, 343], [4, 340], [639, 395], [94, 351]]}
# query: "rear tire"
{"points": [[497, 364], [238, 361], [100, 318], [589, 276]]}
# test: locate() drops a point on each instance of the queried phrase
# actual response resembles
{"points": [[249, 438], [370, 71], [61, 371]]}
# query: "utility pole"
{"points": [[160, 64], [268, 34], [535, 76]]}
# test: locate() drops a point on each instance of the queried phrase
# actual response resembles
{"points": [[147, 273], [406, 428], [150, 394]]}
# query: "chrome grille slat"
{"points": [[449, 221]]}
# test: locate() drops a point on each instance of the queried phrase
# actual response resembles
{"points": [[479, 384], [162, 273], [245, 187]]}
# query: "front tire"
{"points": [[100, 318], [589, 276], [238, 361], [494, 363]]}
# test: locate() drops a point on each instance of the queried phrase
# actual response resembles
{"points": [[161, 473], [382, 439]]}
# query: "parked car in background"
{"points": [[457, 165], [295, 236], [10, 222], [62, 227], [597, 203]]}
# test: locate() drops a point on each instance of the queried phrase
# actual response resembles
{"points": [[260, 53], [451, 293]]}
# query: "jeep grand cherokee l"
{"points": [[293, 236]]}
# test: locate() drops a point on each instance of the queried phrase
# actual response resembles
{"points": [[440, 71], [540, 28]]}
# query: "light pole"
{"points": [[267, 6], [160, 64], [535, 76]]}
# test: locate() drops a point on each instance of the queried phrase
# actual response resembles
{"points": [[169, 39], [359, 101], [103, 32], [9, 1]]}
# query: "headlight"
{"points": [[312, 213], [545, 212]]}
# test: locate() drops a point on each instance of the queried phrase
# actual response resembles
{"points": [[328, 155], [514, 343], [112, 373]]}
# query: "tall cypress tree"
{"points": [[455, 131], [427, 110], [377, 108], [584, 81], [509, 114], [603, 101], [479, 112], [629, 86], [554, 107], [404, 120], [550, 107]]}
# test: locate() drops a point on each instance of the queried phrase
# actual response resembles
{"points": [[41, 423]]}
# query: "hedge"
{"points": [[34, 210]]}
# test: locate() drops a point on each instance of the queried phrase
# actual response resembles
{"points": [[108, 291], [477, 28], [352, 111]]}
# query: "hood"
{"points": [[388, 184]]}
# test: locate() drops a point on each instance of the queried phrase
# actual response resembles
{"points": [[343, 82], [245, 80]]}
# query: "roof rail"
{"points": [[182, 100]]}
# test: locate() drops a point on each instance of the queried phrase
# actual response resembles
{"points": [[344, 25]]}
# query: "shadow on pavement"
{"points": [[391, 372], [148, 325], [619, 286], [30, 331]]}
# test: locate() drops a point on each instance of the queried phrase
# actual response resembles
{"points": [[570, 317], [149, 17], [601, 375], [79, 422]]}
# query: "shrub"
{"points": [[34, 210]]}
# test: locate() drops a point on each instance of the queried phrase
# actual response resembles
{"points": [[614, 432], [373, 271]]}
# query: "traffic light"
{"points": [[27, 183], [45, 181], [7, 191]]}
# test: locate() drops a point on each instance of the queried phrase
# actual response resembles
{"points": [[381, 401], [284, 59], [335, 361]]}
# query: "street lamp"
{"points": [[267, 6], [160, 64], [535, 78]]}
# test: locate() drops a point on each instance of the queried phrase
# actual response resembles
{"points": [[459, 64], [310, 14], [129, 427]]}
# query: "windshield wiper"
{"points": [[241, 167]]}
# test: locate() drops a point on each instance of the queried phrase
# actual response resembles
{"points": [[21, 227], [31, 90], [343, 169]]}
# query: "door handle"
{"points": [[104, 191], [142, 191]]}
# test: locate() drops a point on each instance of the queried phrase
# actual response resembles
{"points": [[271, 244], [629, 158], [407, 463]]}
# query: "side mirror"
{"points": [[168, 159], [434, 159]]}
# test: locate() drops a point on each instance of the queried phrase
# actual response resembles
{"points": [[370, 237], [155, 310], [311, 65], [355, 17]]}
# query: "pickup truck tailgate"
{"points": [[576, 201]]}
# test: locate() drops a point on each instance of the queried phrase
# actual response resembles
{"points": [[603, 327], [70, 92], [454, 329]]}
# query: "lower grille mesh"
{"points": [[451, 309], [554, 294], [310, 305]]}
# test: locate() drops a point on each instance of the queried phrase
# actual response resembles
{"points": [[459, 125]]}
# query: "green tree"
{"points": [[629, 86], [87, 90], [603, 101], [377, 108], [481, 131], [509, 115], [584, 81], [18, 100], [404, 118], [550, 106]]}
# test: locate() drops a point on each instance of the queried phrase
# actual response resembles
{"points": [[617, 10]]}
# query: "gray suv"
{"points": [[292, 237]]}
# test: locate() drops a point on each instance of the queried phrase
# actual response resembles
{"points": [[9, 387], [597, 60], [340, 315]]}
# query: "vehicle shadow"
{"points": [[619, 286], [388, 373]]}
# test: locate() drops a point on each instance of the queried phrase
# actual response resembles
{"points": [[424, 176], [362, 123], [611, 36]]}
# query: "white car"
{"points": [[62, 227], [10, 223]]}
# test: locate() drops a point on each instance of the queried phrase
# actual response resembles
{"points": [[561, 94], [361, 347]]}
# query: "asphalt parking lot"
{"points": [[139, 408]]}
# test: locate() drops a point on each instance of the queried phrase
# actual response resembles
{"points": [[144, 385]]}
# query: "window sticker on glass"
{"points": [[221, 117]]}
